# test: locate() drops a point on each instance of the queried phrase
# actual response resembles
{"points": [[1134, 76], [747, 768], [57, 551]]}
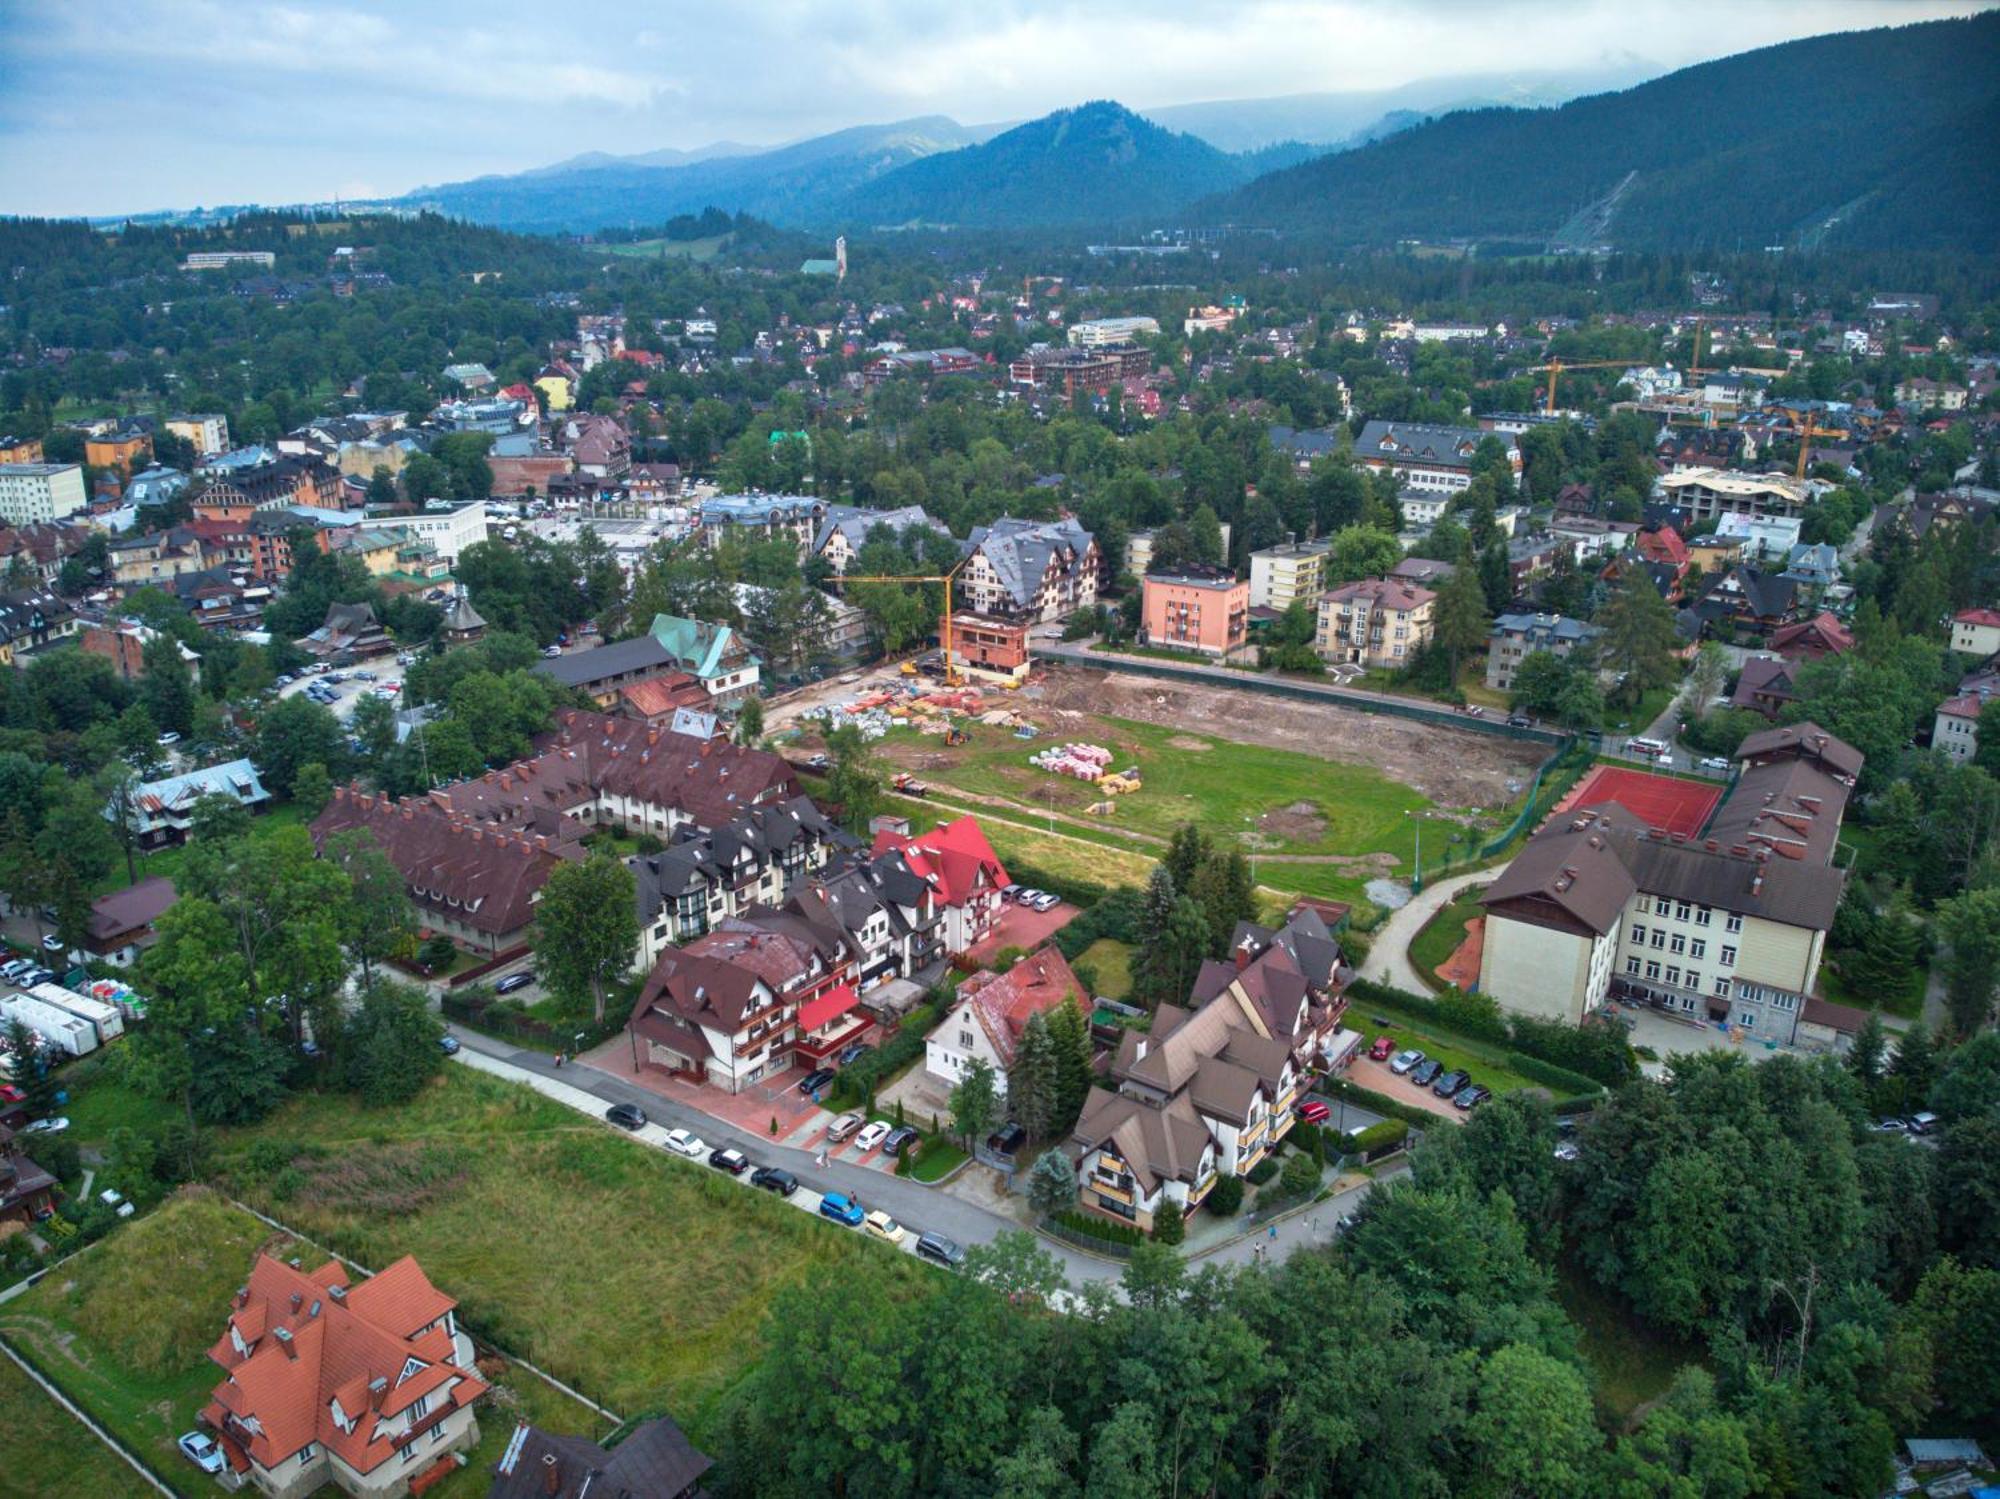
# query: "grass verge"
{"points": [[1633, 1364], [45, 1452]]}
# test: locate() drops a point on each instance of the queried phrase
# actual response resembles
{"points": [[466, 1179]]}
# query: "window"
{"points": [[1652, 970], [1679, 944], [308, 1452], [1728, 956], [1673, 973], [1638, 935], [1783, 1001], [1659, 936], [965, 1039], [1698, 948], [1632, 965], [1735, 922], [1702, 916], [1693, 980], [1683, 911], [1747, 1019], [1722, 986], [1645, 905]]}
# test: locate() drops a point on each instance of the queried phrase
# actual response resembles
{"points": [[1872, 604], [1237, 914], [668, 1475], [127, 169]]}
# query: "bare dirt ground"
{"points": [[1452, 768]]}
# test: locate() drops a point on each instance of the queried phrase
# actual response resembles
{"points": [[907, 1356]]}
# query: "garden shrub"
{"points": [[1225, 1198], [1267, 1168], [1301, 1176], [1547, 1073], [1169, 1223]]}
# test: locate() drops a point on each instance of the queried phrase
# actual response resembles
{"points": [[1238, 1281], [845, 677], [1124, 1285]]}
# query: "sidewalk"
{"points": [[1389, 952]]}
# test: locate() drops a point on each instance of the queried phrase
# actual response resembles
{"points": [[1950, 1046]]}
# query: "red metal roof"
{"points": [[829, 1006]]}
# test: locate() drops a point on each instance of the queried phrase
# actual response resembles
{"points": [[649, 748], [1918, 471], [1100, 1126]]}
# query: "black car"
{"points": [[1007, 1139], [1451, 1082], [1471, 1096], [851, 1053], [626, 1115], [1518, 721], [1426, 1072], [773, 1179], [728, 1158], [816, 1080], [512, 982], [936, 1248], [899, 1138]]}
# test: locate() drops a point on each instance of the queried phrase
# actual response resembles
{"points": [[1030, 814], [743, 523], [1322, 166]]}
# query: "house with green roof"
{"points": [[715, 655]]}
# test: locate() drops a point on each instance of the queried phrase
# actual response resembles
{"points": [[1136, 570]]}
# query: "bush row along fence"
{"points": [[1553, 778], [486, 1015], [1072, 1233], [1587, 1058]]}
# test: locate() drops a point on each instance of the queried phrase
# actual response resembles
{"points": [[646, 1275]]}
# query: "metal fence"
{"points": [[1069, 1234]]}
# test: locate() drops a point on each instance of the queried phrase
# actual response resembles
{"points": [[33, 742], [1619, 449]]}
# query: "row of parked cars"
{"points": [[1454, 1083], [1033, 899], [837, 1206]]}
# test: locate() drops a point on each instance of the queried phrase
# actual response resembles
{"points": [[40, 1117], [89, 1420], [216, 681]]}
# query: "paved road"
{"points": [[1389, 955], [915, 1206]]}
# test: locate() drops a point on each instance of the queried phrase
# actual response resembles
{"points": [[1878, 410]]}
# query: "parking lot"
{"points": [[383, 674], [1021, 927], [1377, 1076]]}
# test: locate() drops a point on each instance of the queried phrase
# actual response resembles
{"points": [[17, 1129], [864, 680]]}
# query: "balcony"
{"points": [[1112, 1190]]}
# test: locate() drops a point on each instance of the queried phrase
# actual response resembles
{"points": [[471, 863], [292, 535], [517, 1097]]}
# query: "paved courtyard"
{"points": [[1020, 927], [1377, 1077]]}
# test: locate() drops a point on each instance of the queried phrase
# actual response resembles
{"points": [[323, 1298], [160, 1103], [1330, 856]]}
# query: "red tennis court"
{"points": [[1658, 801]]}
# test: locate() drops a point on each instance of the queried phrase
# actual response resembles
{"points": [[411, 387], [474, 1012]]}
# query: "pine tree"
{"points": [[1639, 639], [1031, 1080], [1159, 905], [1915, 1066], [1187, 850], [1461, 621], [1069, 1035], [1051, 1182], [1869, 1053]]}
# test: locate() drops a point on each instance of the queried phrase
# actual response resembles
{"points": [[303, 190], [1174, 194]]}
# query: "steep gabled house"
{"points": [[1040, 570], [993, 1009], [367, 1386], [1293, 977], [955, 860], [688, 888], [1813, 639]]}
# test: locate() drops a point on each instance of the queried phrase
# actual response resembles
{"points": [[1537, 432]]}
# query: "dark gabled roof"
{"points": [[581, 668], [655, 1462], [1803, 741]]}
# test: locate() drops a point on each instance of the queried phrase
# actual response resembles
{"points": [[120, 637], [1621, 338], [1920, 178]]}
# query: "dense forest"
{"points": [[1863, 139]]}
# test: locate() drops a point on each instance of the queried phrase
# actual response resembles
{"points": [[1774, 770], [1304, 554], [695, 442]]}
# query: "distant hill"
{"points": [[1096, 163], [798, 183], [1878, 138], [1353, 117]]}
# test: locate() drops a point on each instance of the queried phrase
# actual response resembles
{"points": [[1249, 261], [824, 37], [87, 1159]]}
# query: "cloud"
{"points": [[124, 104]]}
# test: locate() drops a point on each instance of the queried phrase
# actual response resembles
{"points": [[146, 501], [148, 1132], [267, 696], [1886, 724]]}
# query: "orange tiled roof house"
{"points": [[366, 1386]]}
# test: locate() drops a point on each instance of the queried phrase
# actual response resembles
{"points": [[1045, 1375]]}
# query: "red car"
{"points": [[1314, 1111], [11, 1094], [1383, 1049]]}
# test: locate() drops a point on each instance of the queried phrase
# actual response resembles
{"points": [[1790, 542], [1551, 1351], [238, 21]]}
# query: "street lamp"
{"points": [[1417, 878]]}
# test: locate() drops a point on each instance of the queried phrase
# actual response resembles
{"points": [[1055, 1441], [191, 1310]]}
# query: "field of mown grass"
{"points": [[125, 1330], [1443, 933], [45, 1452], [1223, 786], [1111, 961], [637, 1278]]}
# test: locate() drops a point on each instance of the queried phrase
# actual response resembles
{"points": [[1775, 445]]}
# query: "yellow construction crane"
{"points": [[1694, 366], [1556, 366], [944, 630]]}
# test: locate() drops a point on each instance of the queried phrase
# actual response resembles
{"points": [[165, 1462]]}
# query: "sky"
{"points": [[124, 106]]}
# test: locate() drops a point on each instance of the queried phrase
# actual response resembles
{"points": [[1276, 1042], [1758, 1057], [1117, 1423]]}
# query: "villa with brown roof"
{"points": [[367, 1386], [1375, 622], [991, 1012]]}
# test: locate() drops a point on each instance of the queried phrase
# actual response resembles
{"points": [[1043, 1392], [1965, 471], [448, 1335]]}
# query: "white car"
{"points": [[1715, 762], [872, 1134], [53, 1126], [1404, 1061], [1046, 901], [687, 1143], [201, 1449]]}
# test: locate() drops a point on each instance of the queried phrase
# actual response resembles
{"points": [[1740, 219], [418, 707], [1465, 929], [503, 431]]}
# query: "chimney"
{"points": [[284, 1337], [242, 1298], [377, 1388], [338, 1293], [1757, 881], [297, 1301], [551, 1474]]}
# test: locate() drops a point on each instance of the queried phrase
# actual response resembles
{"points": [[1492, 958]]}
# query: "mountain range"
{"points": [[1863, 138]]}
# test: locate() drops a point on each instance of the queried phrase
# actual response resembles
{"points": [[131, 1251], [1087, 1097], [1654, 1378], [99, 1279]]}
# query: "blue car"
{"points": [[841, 1209]]}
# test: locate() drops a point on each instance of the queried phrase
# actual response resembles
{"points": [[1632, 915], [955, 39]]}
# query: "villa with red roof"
{"points": [[366, 1386], [992, 1011], [1813, 639], [957, 862], [1976, 632]]}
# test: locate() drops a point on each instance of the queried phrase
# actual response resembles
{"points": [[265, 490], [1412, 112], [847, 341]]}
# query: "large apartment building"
{"points": [[1436, 459], [1034, 570], [1376, 622], [1196, 609], [31, 492], [1728, 926], [1515, 637], [1709, 493], [1282, 576]]}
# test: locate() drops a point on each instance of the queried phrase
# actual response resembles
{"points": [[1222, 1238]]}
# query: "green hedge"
{"points": [[1599, 1053], [857, 1082], [1077, 892], [1093, 1227], [1115, 916], [1561, 1078], [1380, 1139], [1267, 1168]]}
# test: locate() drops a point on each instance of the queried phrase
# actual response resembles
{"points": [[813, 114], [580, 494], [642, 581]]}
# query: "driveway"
{"points": [[1389, 955], [1021, 927], [1377, 1077], [915, 1206]]}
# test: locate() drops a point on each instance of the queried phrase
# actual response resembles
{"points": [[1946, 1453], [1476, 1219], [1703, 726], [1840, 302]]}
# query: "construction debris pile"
{"points": [[1086, 762]]}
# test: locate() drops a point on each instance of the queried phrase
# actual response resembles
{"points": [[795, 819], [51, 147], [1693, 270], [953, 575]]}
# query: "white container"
{"points": [[104, 1018], [60, 1029]]}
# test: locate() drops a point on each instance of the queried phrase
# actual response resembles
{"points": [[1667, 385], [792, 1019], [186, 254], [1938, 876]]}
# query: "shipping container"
{"points": [[104, 1018], [58, 1028]]}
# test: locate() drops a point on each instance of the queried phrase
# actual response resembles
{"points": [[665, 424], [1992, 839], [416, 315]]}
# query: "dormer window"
{"points": [[411, 1366]]}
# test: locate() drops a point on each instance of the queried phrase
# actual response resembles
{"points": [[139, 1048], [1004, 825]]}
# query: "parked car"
{"points": [[841, 1209], [53, 1126], [1471, 1096], [52, 943], [1891, 1126], [1566, 1150], [1007, 1139], [728, 1158], [773, 1179], [1046, 901], [1024, 894], [879, 1225], [1716, 762], [1405, 1060], [816, 1081], [939, 1250], [1382, 1048], [1920, 1123], [899, 1139], [169, 739], [201, 1449], [1425, 1073], [1518, 721], [1448, 1085], [11, 1095], [818, 763], [686, 1142], [448, 1045], [512, 982], [851, 1053], [1314, 1111], [9, 971], [626, 1115], [873, 1134], [842, 1127]]}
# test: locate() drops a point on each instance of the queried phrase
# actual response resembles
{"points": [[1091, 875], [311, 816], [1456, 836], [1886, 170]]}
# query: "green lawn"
{"points": [[45, 1452], [939, 1159], [595, 1225], [1111, 961], [1444, 932], [1226, 787], [167, 861], [1485, 1060], [683, 249], [125, 1329], [1632, 1364]]}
